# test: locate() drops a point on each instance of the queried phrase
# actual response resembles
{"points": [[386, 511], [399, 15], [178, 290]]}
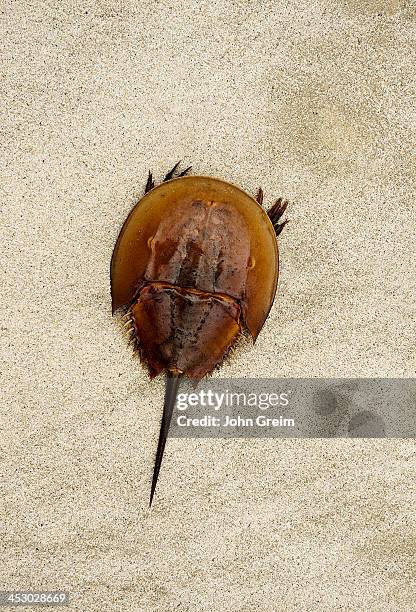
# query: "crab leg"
{"points": [[150, 183], [275, 212]]}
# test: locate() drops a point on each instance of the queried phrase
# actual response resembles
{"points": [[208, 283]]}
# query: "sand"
{"points": [[313, 100]]}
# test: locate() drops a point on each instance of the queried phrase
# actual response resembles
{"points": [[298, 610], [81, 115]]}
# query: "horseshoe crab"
{"points": [[195, 265]]}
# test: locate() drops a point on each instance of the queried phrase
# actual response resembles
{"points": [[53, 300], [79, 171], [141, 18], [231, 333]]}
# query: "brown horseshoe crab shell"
{"points": [[164, 211]]}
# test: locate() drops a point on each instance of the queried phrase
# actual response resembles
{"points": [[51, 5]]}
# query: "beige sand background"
{"points": [[313, 100]]}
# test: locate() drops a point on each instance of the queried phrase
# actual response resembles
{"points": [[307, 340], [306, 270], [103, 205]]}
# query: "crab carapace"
{"points": [[195, 265]]}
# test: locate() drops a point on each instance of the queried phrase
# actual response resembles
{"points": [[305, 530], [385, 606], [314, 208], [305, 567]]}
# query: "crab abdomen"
{"points": [[184, 330]]}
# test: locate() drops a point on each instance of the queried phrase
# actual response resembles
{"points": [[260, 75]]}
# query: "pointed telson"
{"points": [[171, 391]]}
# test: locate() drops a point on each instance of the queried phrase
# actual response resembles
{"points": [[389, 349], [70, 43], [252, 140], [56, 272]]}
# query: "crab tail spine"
{"points": [[171, 391]]}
